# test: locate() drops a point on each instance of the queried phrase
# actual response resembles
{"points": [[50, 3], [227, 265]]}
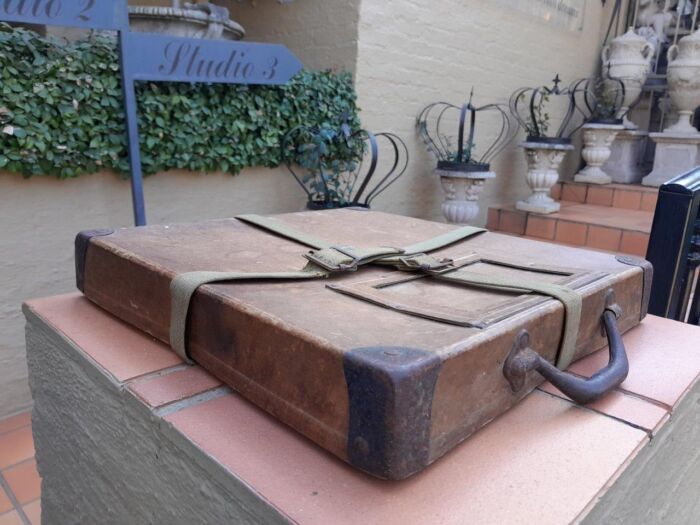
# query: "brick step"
{"points": [[597, 227], [622, 196]]}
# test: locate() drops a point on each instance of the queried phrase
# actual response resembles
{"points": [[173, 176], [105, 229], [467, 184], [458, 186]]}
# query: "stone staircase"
{"points": [[615, 218]]}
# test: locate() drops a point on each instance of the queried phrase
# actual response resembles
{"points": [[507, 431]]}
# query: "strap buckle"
{"points": [[426, 263], [350, 258]]}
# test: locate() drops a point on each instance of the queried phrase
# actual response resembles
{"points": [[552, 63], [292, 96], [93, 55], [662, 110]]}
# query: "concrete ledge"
{"points": [[125, 433]]}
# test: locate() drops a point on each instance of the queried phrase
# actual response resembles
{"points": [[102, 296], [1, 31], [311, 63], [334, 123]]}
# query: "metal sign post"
{"points": [[160, 58]]}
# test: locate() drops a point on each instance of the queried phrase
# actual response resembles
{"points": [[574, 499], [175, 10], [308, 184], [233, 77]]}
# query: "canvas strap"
{"points": [[327, 258]]}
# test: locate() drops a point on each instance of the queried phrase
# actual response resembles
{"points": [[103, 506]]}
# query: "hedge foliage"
{"points": [[61, 113]]}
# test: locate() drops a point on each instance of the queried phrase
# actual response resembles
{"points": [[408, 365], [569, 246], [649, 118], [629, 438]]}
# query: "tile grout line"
{"points": [[15, 429], [15, 503]]}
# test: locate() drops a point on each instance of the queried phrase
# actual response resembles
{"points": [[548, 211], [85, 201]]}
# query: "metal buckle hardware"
{"points": [[426, 263], [355, 260]]}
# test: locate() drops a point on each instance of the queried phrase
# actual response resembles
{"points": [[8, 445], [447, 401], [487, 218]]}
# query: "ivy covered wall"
{"points": [[61, 113]]}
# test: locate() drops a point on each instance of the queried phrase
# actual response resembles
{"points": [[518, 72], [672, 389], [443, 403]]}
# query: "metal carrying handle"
{"points": [[523, 359]]}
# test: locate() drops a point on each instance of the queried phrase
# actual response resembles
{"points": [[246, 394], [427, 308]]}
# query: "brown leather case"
{"points": [[387, 370]]}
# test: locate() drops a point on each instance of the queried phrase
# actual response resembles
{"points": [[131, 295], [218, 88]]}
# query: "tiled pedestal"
{"points": [[125, 433]]}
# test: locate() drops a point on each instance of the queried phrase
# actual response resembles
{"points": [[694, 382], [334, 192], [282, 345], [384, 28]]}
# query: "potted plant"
{"points": [[463, 172], [341, 168], [545, 152], [603, 99]]}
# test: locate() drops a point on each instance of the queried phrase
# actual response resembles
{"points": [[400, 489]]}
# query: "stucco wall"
{"points": [[412, 53], [41, 216]]}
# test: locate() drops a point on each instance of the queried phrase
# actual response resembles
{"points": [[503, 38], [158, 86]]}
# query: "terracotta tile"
{"points": [[513, 222], [600, 196], [574, 192], [124, 352], [487, 479], [11, 518], [33, 512], [16, 446], [604, 238], [492, 222], [628, 200], [5, 503], [634, 243], [649, 201], [638, 412], [24, 481], [176, 386], [636, 220], [664, 360], [571, 233], [15, 422], [555, 193], [540, 227]]}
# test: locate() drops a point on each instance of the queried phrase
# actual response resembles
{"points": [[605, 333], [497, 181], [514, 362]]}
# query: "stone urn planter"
{"points": [[190, 20], [627, 58], [463, 184], [597, 142], [543, 160], [684, 81]]}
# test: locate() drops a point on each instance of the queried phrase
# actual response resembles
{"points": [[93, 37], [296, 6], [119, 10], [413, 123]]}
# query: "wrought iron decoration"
{"points": [[528, 107], [331, 183], [441, 142]]}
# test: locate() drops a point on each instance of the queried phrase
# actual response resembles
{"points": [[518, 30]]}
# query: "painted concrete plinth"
{"points": [[625, 153], [597, 139], [462, 192], [676, 153], [543, 161]]}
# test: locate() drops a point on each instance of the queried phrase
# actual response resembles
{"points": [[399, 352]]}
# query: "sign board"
{"points": [[91, 14], [569, 14], [157, 57]]}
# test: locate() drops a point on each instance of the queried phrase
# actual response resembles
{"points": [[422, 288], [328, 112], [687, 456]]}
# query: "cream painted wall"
{"points": [[41, 216], [412, 53]]}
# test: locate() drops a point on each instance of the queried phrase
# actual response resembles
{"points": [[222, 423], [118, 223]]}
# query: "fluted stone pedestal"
{"points": [[623, 166], [597, 139], [543, 161], [676, 153]]}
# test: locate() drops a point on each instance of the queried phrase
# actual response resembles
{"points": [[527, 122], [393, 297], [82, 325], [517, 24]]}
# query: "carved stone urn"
{"points": [[684, 81], [191, 20], [597, 140], [627, 58], [463, 184], [543, 161]]}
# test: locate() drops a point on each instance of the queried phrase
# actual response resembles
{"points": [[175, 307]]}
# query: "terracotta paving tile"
{"points": [[634, 243], [492, 221], [33, 512], [24, 481], [649, 201], [5, 503], [173, 387], [604, 238], [16, 446], [573, 233], [574, 192], [124, 352], [11, 518], [600, 196], [636, 220], [540, 227], [512, 221], [555, 192], [628, 200], [663, 365], [570, 455], [15, 422], [636, 411]]}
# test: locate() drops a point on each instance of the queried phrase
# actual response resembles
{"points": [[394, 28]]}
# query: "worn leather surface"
{"points": [[283, 344]]}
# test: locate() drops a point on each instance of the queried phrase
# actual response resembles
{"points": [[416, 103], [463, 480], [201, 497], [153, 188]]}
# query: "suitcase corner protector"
{"points": [[390, 393], [82, 241]]}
